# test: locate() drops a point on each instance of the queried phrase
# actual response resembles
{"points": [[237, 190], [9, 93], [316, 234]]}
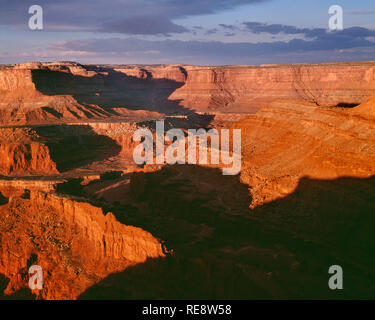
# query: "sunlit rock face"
{"points": [[289, 140], [73, 201], [74, 242], [65, 92], [246, 89]]}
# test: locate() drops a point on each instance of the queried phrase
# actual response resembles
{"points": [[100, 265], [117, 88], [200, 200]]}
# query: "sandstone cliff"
{"points": [[36, 93], [61, 92], [168, 72], [74, 242], [289, 140], [23, 153], [247, 88], [308, 166]]}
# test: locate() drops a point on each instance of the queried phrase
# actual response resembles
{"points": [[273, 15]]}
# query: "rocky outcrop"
{"points": [[290, 140], [50, 150], [26, 159], [16, 81], [23, 153], [365, 109], [22, 101], [16, 187], [122, 133], [74, 242]]}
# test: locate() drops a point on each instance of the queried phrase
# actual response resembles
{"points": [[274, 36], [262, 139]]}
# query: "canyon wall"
{"points": [[60, 92], [122, 133], [54, 149], [74, 242], [16, 187], [23, 101], [307, 159], [290, 140], [247, 89], [16, 81], [25, 159], [22, 152], [36, 93], [168, 72]]}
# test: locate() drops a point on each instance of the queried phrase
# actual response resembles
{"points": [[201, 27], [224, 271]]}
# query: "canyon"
{"points": [[35, 93], [73, 200]]}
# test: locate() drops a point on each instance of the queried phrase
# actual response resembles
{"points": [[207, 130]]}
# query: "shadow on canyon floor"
{"points": [[222, 250], [22, 294], [72, 146], [3, 200]]}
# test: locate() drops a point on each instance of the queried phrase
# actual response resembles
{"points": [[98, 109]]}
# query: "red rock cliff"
{"points": [[224, 89], [290, 140], [22, 154], [247, 88], [74, 242]]}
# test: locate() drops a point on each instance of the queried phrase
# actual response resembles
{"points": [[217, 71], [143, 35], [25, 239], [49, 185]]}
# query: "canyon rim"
{"points": [[196, 151], [76, 203]]}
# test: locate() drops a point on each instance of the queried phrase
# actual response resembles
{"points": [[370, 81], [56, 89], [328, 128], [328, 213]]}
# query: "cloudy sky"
{"points": [[201, 32]]}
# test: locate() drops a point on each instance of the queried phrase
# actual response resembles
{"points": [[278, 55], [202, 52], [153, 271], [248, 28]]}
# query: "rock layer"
{"points": [[289, 140], [290, 149], [22, 152], [248, 88], [74, 242], [36, 93], [60, 92]]}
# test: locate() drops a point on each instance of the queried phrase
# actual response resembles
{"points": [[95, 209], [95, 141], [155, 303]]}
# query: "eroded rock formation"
{"points": [[75, 243], [22, 152], [289, 140], [35, 93], [304, 195], [60, 92], [247, 89]]}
